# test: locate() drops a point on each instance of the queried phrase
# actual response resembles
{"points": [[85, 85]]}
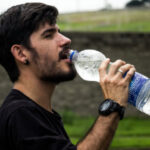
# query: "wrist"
{"points": [[109, 106]]}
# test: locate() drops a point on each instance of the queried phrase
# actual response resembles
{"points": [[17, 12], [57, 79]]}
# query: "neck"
{"points": [[39, 91]]}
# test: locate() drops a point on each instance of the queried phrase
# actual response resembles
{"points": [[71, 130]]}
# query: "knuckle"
{"points": [[123, 84], [114, 64], [133, 66], [113, 81], [102, 83], [104, 80], [129, 74], [129, 65], [125, 67], [118, 62], [122, 68]]}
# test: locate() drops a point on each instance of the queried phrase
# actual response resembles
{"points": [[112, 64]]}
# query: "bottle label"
{"points": [[137, 82]]}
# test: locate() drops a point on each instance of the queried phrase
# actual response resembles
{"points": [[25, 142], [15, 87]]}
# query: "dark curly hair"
{"points": [[16, 26]]}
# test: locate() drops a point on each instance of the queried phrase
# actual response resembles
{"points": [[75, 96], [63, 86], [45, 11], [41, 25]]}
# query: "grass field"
{"points": [[131, 133], [133, 20]]}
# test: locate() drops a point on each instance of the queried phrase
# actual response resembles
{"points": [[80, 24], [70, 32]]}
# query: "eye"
{"points": [[49, 36]]}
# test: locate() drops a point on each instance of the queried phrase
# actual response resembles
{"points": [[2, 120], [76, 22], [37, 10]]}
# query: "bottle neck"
{"points": [[73, 54]]}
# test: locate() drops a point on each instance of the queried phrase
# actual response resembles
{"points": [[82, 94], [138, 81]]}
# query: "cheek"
{"points": [[50, 55], [52, 52]]}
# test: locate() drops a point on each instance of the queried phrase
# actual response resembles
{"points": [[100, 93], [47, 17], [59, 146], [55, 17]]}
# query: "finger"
{"points": [[123, 69], [103, 67], [115, 66], [130, 74]]}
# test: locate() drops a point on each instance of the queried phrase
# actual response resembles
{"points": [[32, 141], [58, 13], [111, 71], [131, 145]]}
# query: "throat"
{"points": [[39, 93]]}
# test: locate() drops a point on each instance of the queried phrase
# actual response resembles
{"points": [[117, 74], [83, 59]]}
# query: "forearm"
{"points": [[101, 134], [115, 87]]}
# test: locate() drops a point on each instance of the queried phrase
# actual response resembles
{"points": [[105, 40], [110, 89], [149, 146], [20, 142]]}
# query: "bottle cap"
{"points": [[72, 52]]}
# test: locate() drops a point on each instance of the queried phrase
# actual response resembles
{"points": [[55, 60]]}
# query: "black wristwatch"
{"points": [[108, 106]]}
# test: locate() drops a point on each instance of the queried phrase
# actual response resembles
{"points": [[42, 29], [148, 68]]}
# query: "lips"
{"points": [[64, 54]]}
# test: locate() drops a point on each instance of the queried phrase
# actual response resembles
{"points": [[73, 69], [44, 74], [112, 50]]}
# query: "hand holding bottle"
{"points": [[87, 63], [113, 84]]}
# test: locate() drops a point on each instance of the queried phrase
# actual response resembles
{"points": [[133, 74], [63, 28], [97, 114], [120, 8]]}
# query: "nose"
{"points": [[63, 40]]}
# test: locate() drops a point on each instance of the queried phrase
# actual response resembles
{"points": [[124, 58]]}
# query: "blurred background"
{"points": [[121, 30]]}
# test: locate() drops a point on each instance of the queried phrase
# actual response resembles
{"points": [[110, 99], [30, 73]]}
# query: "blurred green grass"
{"points": [[131, 132], [127, 20]]}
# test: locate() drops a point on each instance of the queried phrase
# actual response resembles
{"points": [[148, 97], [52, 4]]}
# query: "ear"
{"points": [[19, 53]]}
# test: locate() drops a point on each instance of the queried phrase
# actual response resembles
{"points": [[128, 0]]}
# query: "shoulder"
{"points": [[19, 108], [16, 103]]}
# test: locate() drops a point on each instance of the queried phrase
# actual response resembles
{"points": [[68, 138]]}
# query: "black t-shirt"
{"points": [[24, 125]]}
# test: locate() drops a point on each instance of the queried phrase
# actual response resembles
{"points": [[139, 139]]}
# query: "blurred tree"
{"points": [[138, 3], [135, 3], [107, 5], [146, 1]]}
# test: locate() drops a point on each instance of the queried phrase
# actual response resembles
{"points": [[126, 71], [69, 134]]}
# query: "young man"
{"points": [[34, 53]]}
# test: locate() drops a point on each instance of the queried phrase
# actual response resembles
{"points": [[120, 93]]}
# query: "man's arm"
{"points": [[101, 134], [114, 87]]}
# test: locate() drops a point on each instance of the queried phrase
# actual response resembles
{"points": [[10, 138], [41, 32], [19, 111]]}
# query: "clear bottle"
{"points": [[87, 63]]}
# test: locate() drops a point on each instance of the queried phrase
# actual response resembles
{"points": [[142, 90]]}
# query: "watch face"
{"points": [[108, 106], [105, 105]]}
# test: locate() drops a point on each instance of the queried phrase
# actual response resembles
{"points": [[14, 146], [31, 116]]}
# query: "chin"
{"points": [[68, 75], [60, 76], [59, 72]]}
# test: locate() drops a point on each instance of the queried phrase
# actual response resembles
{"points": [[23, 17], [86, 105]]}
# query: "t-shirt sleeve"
{"points": [[27, 131]]}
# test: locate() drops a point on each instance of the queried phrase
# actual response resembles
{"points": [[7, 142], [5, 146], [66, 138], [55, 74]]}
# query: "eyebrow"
{"points": [[51, 30]]}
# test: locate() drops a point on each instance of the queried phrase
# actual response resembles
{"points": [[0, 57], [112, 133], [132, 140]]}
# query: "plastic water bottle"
{"points": [[87, 63]]}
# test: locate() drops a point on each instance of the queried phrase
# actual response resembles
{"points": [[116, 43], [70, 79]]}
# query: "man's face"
{"points": [[49, 55]]}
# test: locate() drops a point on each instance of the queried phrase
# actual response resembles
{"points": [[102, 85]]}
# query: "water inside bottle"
{"points": [[88, 70], [87, 63]]}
